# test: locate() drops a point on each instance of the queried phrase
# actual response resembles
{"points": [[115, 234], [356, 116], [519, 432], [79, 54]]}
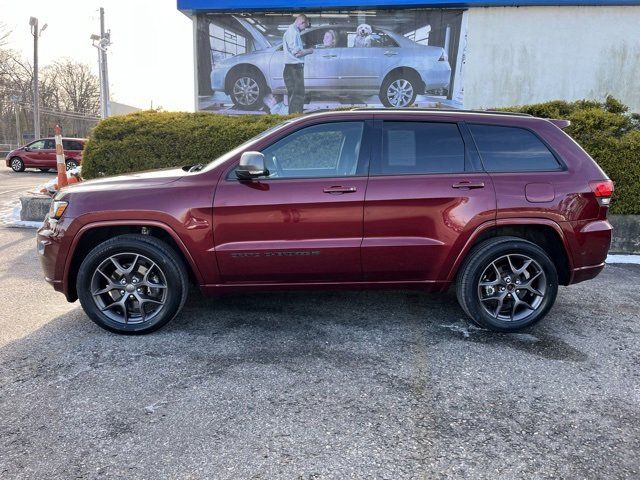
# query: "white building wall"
{"points": [[521, 55]]}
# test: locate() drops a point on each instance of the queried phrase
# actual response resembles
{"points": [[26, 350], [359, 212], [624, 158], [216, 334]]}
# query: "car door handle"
{"points": [[338, 189], [464, 185], [329, 55], [390, 54]]}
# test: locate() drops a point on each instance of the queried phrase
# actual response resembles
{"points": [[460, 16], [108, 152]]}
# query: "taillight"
{"points": [[603, 190]]}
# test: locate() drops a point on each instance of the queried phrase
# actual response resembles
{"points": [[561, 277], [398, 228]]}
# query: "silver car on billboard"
{"points": [[391, 66]]}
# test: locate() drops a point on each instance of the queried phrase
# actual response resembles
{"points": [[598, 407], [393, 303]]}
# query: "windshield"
{"points": [[220, 160]]}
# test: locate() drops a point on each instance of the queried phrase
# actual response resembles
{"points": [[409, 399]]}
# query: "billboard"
{"points": [[275, 62]]}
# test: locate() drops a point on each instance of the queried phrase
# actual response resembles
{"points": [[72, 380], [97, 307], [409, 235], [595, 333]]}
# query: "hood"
{"points": [[260, 40], [138, 180]]}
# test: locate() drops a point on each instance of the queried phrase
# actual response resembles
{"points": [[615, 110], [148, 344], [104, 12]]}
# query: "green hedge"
{"points": [[148, 140]]}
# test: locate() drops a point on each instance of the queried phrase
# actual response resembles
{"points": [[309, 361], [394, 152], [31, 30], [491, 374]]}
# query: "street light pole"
{"points": [[105, 41], [33, 21], [101, 42]]}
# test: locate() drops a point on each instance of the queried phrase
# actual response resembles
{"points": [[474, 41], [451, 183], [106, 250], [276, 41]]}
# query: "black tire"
{"points": [[408, 82], [71, 164], [169, 266], [508, 315], [17, 165], [247, 89]]}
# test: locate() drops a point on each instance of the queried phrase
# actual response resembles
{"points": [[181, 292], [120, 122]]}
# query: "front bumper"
{"points": [[53, 246]]}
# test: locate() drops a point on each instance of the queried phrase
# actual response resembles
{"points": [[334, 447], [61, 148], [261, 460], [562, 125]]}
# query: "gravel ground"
{"points": [[318, 385]]}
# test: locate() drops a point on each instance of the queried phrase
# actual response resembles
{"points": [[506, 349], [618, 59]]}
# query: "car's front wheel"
{"points": [[399, 90], [132, 284], [507, 284], [248, 89], [17, 165]]}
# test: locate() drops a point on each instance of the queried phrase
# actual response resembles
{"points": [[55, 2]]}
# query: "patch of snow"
{"points": [[623, 259], [10, 217]]}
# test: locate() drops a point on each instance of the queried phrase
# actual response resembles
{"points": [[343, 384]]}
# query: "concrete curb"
{"points": [[34, 207], [626, 233]]}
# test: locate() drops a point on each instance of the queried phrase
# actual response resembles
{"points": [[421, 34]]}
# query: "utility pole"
{"points": [[101, 42], [33, 21]]}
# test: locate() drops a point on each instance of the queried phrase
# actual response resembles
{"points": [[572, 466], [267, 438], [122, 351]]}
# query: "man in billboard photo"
{"points": [[294, 53]]}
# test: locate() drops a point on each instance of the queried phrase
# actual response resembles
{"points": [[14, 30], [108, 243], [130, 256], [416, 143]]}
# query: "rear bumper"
{"points": [[437, 77], [590, 245], [585, 273]]}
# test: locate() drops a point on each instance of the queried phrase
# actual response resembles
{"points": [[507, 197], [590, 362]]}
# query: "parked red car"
{"points": [[41, 154], [503, 207]]}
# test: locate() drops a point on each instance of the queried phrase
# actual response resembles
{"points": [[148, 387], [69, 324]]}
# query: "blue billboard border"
{"points": [[198, 6]]}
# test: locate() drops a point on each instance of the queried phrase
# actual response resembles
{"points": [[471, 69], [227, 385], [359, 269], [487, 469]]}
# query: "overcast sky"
{"points": [[150, 60]]}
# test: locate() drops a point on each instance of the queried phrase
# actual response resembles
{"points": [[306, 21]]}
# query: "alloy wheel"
{"points": [[512, 287], [129, 288], [246, 91], [400, 92], [16, 164]]}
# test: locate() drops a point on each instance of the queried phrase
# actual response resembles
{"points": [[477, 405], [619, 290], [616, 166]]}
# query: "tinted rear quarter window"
{"points": [[421, 148], [71, 145], [512, 149]]}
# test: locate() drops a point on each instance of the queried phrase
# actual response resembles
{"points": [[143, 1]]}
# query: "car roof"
{"points": [[63, 138], [427, 112]]}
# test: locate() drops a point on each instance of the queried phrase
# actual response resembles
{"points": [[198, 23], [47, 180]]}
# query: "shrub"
{"points": [[148, 140]]}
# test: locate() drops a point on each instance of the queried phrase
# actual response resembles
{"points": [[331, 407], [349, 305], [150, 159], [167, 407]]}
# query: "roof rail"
{"points": [[442, 110]]}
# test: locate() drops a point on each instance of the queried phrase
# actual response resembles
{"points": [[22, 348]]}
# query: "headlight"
{"points": [[57, 209]]}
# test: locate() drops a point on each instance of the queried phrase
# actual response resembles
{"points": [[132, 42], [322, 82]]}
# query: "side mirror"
{"points": [[26, 149], [251, 165]]}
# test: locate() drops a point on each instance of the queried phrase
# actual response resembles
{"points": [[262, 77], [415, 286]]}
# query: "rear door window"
{"points": [[512, 149], [49, 144], [420, 148]]}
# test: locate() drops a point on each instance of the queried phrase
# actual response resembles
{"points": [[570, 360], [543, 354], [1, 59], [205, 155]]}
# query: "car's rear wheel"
{"points": [[507, 284], [17, 165], [132, 284], [248, 89], [71, 164], [399, 90]]}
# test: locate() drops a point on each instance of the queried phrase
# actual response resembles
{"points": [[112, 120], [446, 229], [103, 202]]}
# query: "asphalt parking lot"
{"points": [[318, 385]]}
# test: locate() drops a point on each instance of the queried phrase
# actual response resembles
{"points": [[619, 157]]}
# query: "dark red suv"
{"points": [[504, 207], [41, 154]]}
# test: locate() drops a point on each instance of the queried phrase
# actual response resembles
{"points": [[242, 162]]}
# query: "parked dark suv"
{"points": [[504, 207], [41, 154]]}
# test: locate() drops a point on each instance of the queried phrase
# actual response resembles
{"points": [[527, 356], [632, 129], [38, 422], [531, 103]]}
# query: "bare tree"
{"points": [[4, 34], [69, 96], [75, 87]]}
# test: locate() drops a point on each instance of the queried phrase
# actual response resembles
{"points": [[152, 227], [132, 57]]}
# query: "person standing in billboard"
{"points": [[294, 53]]}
